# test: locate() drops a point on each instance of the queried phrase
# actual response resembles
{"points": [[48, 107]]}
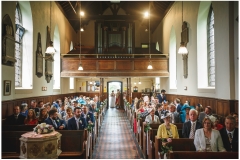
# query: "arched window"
{"points": [[56, 73], [211, 48], [18, 48], [24, 46]]}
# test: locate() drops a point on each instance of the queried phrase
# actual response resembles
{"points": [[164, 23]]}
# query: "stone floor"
{"points": [[116, 139]]}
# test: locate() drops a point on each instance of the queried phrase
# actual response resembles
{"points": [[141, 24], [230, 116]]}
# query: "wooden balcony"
{"points": [[114, 65]]}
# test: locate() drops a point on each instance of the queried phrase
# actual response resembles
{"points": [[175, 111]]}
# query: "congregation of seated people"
{"points": [[73, 113], [210, 132]]}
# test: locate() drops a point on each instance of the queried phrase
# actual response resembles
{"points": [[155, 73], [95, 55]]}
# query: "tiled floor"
{"points": [[116, 138]]}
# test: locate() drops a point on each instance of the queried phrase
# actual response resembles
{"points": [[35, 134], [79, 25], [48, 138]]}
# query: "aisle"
{"points": [[116, 138]]}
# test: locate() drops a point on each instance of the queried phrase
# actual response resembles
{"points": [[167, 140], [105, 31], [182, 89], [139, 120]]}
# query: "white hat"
{"points": [[167, 114]]}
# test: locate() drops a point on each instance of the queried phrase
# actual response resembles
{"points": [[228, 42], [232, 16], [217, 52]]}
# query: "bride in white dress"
{"points": [[112, 99]]}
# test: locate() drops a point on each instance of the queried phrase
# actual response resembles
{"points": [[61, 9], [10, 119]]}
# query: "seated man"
{"points": [[54, 120], [230, 135], [16, 118], [77, 122], [207, 112], [174, 117], [87, 115], [190, 127]]}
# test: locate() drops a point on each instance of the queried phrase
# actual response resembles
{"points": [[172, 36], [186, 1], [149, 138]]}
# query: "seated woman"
{"points": [[216, 123], [43, 115], [184, 114], [167, 130], [208, 139], [68, 115], [141, 107], [31, 118], [152, 118]]}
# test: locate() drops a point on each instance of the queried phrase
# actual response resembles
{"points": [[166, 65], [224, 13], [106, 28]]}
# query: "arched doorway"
{"points": [[114, 86]]}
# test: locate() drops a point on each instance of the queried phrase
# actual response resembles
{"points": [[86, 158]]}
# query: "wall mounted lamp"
{"points": [[183, 49]]}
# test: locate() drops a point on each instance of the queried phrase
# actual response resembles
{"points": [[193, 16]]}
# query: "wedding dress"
{"points": [[112, 100]]}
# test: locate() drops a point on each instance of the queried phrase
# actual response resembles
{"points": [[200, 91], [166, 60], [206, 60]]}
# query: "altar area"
{"points": [[40, 146]]}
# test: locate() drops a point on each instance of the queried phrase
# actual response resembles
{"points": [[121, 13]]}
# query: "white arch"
{"points": [[173, 59], [56, 65], [27, 48], [202, 44]]}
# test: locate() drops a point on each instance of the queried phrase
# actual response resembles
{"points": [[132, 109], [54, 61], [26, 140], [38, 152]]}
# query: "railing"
{"points": [[113, 56]]}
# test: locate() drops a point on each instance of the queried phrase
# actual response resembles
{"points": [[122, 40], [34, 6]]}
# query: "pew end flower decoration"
{"points": [[90, 126], [147, 127], [166, 148], [43, 128]]}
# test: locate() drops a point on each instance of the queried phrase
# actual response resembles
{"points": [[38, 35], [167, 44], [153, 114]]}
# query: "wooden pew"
{"points": [[73, 144], [181, 144], [146, 138], [202, 155], [18, 127], [151, 146]]}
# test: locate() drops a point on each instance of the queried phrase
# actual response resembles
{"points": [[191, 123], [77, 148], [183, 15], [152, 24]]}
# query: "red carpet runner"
{"points": [[116, 138]]}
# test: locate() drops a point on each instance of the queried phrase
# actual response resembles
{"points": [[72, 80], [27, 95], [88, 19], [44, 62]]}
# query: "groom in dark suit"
{"points": [[230, 135], [193, 114], [78, 122], [54, 120]]}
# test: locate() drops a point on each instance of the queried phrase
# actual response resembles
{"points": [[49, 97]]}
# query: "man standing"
{"points": [[207, 112], [77, 122], [230, 135], [117, 103], [16, 118], [190, 127], [162, 96], [54, 120]]}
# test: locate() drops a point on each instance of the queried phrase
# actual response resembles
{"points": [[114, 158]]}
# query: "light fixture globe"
{"points": [[182, 49], [150, 66], [80, 68]]}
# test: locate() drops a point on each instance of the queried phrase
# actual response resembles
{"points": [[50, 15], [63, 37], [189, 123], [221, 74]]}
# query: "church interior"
{"points": [[110, 56]]}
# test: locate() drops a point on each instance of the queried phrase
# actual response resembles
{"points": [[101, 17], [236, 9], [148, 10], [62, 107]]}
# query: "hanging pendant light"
{"points": [[149, 45], [139, 82], [50, 49], [80, 68], [182, 49], [90, 81]]}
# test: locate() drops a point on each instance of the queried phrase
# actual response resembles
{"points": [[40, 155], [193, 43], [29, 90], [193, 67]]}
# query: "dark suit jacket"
{"points": [[179, 107], [10, 120], [59, 122], [187, 128], [90, 117], [161, 99], [72, 125], [159, 115], [226, 142], [176, 117]]}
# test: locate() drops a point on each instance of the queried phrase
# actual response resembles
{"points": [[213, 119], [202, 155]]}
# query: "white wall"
{"points": [[222, 49], [41, 19]]}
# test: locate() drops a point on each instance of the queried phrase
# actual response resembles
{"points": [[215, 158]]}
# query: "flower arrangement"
{"points": [[139, 116], [43, 128], [90, 126], [165, 146], [147, 127]]}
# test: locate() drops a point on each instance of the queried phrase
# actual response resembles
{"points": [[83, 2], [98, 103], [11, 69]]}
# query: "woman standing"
{"points": [[167, 130], [112, 99], [208, 139], [117, 99]]}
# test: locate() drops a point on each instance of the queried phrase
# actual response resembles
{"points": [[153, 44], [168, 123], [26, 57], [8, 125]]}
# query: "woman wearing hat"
{"points": [[184, 114], [167, 130]]}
